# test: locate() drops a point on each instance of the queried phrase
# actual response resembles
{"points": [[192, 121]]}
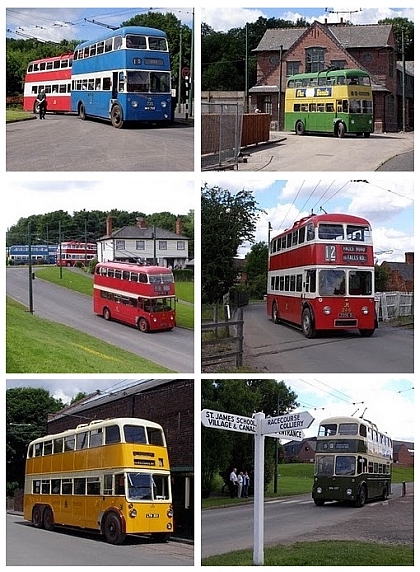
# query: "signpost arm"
{"points": [[259, 492]]}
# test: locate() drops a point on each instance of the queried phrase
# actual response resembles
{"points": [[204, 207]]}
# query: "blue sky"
{"points": [[223, 19], [56, 24], [387, 401], [386, 201]]}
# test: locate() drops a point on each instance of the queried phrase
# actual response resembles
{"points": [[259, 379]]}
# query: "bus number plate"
{"points": [[152, 515]]}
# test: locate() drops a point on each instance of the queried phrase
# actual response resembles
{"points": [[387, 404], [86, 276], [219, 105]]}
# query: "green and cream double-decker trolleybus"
{"points": [[330, 101], [353, 462]]}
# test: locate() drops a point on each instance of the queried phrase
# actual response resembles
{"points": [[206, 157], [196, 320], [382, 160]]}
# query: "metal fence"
{"points": [[221, 133], [222, 342]]}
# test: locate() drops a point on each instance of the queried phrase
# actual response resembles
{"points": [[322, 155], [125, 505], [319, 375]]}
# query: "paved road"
{"points": [[66, 143], [277, 348], [293, 519], [29, 546], [172, 349], [290, 152]]}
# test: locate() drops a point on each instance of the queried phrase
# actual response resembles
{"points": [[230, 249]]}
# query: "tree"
{"points": [[27, 410], [402, 27], [255, 268], [227, 220], [222, 450]]}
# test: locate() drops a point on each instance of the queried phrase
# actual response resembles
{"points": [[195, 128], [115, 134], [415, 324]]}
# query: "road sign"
{"points": [[185, 72], [293, 434], [287, 422], [229, 421]]}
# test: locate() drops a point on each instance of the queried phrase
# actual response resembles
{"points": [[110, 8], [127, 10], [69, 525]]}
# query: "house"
{"points": [[142, 242], [300, 451], [283, 52], [404, 453], [400, 274]]}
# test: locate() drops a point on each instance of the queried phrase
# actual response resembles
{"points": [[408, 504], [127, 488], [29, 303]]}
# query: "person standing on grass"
{"points": [[233, 483]]}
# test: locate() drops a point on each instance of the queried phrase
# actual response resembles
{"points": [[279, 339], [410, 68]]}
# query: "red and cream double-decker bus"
{"points": [[139, 295], [321, 275], [74, 253], [53, 75]]}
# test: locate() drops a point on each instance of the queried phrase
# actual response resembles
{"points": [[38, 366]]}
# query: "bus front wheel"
{"points": [[340, 130], [366, 134], [361, 497], [319, 502], [37, 517], [366, 333], [117, 116], [300, 128], [113, 530], [308, 324], [143, 325], [82, 112], [106, 313], [48, 518]]}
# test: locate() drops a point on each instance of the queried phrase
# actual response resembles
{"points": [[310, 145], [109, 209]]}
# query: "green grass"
{"points": [[323, 553], [15, 114], [34, 345], [82, 283]]}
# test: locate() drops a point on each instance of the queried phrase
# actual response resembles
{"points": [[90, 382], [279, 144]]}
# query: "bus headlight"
{"points": [[170, 513], [349, 492], [163, 104], [169, 526], [133, 513], [319, 490], [327, 310], [134, 103], [365, 310]]}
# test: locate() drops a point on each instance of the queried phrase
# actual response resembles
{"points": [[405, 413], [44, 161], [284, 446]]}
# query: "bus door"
{"points": [[114, 87], [309, 283]]}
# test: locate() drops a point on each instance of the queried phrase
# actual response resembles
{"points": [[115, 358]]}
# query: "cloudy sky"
{"points": [[150, 194], [387, 401], [56, 24], [223, 19], [386, 201]]}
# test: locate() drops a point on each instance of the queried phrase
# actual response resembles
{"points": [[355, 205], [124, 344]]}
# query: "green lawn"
{"points": [[34, 345], [16, 114], [323, 553]]}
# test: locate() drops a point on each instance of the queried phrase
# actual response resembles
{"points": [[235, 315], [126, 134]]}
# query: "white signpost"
{"points": [[288, 426]]}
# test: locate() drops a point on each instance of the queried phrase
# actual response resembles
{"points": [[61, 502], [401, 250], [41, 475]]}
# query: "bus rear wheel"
{"points": [[300, 128], [37, 517], [48, 518], [143, 325], [275, 313], [117, 116], [308, 324], [112, 529], [82, 112]]}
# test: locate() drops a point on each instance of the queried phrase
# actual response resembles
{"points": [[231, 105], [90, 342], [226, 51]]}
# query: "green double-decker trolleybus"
{"points": [[353, 462], [330, 101]]}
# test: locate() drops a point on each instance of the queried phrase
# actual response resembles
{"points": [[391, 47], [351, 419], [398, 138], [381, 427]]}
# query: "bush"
{"points": [[183, 275]]}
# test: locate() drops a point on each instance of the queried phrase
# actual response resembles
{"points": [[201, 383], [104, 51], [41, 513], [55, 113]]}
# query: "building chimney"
{"points": [[178, 227], [409, 258], [141, 223], [108, 225]]}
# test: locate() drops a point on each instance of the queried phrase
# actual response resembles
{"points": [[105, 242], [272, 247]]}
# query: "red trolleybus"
{"points": [[53, 75], [143, 296], [321, 275], [72, 253], [112, 476], [353, 462]]}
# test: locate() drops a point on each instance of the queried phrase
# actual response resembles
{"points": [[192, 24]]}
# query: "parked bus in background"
{"points": [[75, 253], [142, 296], [123, 76], [353, 462], [112, 476], [53, 75], [321, 275], [331, 101], [40, 254]]}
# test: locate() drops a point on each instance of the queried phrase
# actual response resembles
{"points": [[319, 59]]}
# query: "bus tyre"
{"points": [[106, 313], [340, 130], [37, 517], [367, 333], [117, 116], [366, 134], [275, 313], [308, 324], [112, 529], [48, 518], [319, 502], [82, 112], [143, 325], [160, 536], [361, 497], [300, 128]]}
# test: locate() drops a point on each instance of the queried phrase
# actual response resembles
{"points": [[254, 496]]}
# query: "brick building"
{"points": [[283, 52], [404, 453], [400, 274], [167, 402]]}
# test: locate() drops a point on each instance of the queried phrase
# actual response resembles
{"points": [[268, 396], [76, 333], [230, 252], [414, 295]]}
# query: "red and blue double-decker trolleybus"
{"points": [[53, 75], [123, 76], [321, 275], [76, 253], [138, 295]]}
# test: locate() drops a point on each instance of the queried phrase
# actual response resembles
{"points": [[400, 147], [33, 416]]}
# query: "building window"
{"points": [[267, 105], [140, 245], [315, 59], [180, 244], [163, 245], [292, 68], [120, 245]]}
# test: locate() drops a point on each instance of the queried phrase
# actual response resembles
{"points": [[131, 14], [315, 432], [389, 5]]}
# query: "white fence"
{"points": [[394, 305]]}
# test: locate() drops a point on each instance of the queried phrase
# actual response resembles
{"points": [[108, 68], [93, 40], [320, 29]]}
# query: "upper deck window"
{"points": [[348, 429], [327, 430], [158, 44], [136, 42], [331, 231]]}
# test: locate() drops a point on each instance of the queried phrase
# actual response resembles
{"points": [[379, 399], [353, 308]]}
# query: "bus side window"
{"points": [[345, 106], [119, 484]]}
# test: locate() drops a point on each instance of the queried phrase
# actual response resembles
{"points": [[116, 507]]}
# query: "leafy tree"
{"points": [[227, 220], [81, 395], [382, 274], [222, 450], [402, 27], [27, 410], [255, 268]]}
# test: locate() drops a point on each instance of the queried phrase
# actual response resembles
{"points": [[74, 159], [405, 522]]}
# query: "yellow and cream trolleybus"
{"points": [[110, 475]]}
